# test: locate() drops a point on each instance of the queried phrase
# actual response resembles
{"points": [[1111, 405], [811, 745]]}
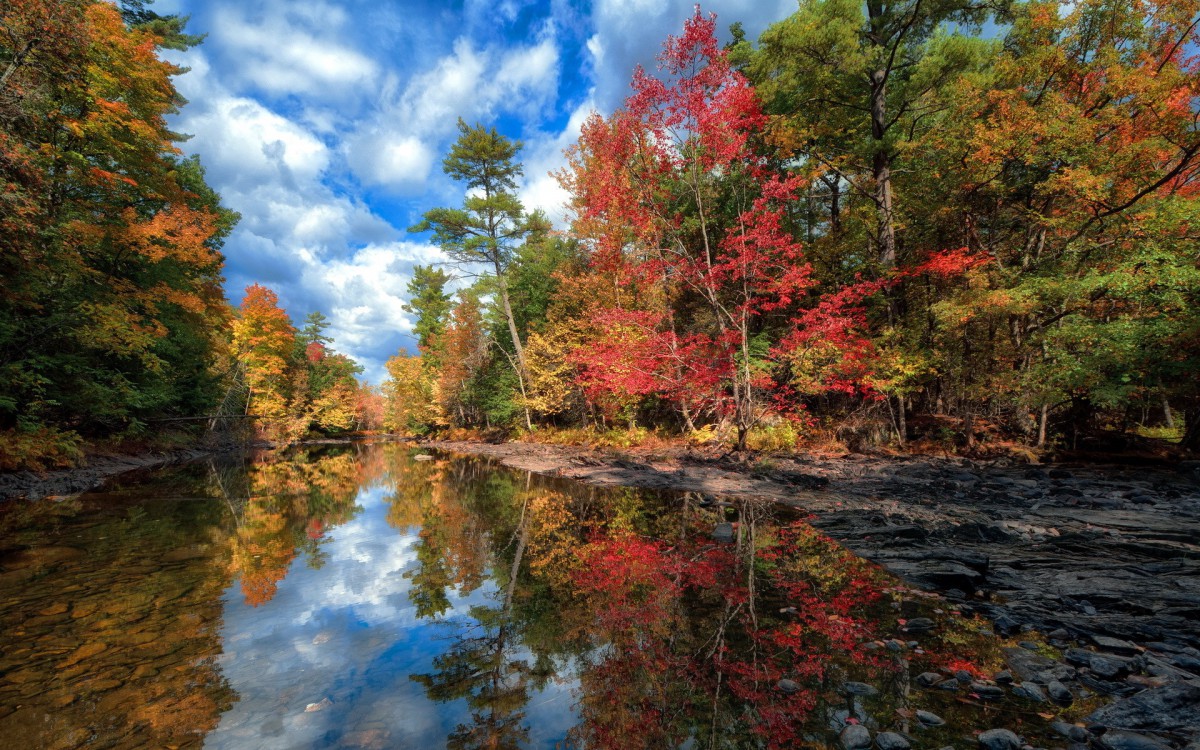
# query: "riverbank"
{"points": [[91, 474]]}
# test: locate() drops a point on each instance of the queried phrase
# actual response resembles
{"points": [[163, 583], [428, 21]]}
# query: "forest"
{"points": [[935, 222], [929, 224], [114, 323]]}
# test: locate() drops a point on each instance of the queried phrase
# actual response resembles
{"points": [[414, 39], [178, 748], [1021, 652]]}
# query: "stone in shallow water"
{"points": [[859, 688], [999, 739], [893, 741], [930, 719], [987, 692], [1117, 739], [1030, 691], [855, 737], [1059, 692], [919, 625]]}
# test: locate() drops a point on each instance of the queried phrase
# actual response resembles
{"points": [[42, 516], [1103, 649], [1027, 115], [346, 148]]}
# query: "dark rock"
{"points": [[1118, 739], [987, 692], [855, 737], [1079, 657], [1006, 625], [1108, 669], [1171, 708], [723, 533], [999, 739], [789, 687], [930, 719], [981, 532], [1060, 672], [1071, 731], [1059, 693], [919, 625], [859, 688], [1026, 664], [1030, 691], [1004, 678], [894, 645], [1115, 645], [928, 679], [895, 741], [963, 676]]}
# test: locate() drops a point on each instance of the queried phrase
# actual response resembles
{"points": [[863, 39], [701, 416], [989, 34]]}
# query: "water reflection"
{"points": [[361, 598]]}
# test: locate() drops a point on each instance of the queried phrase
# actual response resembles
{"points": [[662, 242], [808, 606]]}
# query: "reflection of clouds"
{"points": [[349, 633]]}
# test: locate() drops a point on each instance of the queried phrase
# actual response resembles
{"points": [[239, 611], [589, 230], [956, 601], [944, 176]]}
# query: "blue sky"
{"points": [[324, 124]]}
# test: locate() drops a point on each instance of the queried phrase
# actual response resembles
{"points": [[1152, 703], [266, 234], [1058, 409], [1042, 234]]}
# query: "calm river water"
{"points": [[358, 597]]}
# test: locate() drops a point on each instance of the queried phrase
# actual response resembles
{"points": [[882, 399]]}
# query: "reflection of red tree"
{"points": [[655, 667], [630, 697]]}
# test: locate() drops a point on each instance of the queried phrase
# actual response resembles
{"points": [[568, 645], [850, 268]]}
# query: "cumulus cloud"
{"points": [[324, 123]]}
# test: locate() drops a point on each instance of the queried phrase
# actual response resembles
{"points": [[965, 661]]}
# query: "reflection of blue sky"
{"points": [[347, 632]]}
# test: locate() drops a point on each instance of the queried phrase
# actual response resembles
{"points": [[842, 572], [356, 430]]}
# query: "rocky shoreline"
{"points": [[1102, 560], [96, 469]]}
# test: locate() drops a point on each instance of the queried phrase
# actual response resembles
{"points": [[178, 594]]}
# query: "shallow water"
{"points": [[361, 598]]}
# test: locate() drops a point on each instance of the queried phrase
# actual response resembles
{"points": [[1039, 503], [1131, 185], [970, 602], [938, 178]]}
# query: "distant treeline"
{"points": [[946, 221]]}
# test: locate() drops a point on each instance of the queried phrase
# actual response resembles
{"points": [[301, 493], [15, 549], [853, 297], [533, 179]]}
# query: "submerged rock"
{"points": [[896, 741], [1118, 739], [855, 737], [930, 719], [999, 739], [859, 688]]}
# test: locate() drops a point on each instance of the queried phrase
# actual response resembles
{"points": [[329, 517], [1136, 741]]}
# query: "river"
{"points": [[371, 596]]}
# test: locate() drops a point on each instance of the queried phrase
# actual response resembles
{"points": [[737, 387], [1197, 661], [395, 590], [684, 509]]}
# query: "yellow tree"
{"points": [[263, 341]]}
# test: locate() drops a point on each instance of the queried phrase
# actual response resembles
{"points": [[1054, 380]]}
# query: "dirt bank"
{"points": [[97, 468], [1082, 551]]}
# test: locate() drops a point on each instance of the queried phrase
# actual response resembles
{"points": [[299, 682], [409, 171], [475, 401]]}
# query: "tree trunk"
{"points": [[881, 172]]}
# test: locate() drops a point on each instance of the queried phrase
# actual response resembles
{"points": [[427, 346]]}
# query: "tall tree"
{"points": [[854, 82], [313, 332], [264, 340], [492, 223]]}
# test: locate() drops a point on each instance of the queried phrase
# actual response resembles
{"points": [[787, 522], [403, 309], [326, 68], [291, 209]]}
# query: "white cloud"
{"points": [[292, 49], [540, 189]]}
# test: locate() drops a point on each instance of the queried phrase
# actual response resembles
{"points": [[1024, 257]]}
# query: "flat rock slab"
{"points": [[1173, 708]]}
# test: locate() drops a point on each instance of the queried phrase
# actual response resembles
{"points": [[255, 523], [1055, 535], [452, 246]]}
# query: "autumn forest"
{"points": [[931, 224]]}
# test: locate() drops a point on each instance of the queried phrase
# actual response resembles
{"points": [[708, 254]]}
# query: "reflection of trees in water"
{"points": [[673, 636], [290, 502]]}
